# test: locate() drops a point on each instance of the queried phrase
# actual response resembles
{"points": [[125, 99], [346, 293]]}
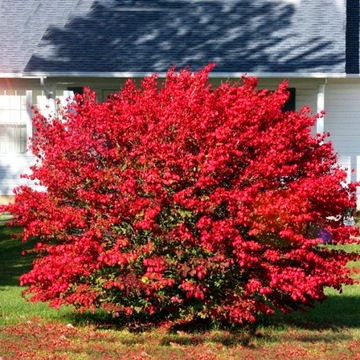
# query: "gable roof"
{"points": [[113, 36]]}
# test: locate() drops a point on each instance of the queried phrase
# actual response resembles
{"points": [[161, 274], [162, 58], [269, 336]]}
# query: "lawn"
{"points": [[34, 331]]}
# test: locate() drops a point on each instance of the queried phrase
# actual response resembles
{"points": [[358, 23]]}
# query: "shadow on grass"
{"points": [[329, 323], [12, 263], [279, 329], [337, 312]]}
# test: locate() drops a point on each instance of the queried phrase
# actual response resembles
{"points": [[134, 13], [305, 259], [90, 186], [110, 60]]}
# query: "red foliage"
{"points": [[184, 201]]}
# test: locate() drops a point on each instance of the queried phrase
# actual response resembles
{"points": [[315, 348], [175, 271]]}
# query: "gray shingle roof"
{"points": [[151, 35]]}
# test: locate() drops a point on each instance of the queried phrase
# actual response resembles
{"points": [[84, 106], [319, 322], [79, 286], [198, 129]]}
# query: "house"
{"points": [[52, 48]]}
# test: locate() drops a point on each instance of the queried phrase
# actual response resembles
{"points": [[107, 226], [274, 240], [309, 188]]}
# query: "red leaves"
{"points": [[213, 199]]}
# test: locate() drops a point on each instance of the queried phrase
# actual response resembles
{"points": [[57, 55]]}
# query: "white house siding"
{"points": [[15, 108], [306, 90], [11, 167], [341, 103], [16, 98], [342, 120], [15, 111], [15, 116], [306, 97], [15, 101]]}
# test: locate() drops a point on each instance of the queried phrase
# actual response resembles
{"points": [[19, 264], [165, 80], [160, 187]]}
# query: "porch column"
{"points": [[29, 103], [320, 107]]}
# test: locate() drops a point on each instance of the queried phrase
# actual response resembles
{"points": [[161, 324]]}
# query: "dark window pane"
{"points": [[290, 105]]}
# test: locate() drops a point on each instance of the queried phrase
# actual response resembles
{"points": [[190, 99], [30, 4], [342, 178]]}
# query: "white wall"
{"points": [[342, 105], [11, 167], [15, 108], [342, 120]]}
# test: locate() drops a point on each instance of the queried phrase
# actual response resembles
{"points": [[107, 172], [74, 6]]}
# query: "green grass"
{"points": [[12, 265], [28, 330]]}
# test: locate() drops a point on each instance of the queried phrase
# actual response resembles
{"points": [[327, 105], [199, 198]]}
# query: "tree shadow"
{"points": [[336, 312], [151, 36], [12, 263], [330, 322], [322, 325]]}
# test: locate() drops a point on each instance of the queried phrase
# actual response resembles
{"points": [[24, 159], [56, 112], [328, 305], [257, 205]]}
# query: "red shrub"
{"points": [[184, 201]]}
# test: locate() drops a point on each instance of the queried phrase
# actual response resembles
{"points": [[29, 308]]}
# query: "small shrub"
{"points": [[184, 202]]}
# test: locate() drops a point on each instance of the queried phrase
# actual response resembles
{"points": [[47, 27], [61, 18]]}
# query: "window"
{"points": [[13, 138], [15, 121], [290, 104], [76, 90]]}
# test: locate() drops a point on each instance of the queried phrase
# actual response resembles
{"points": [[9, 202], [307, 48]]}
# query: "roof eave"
{"points": [[141, 74]]}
